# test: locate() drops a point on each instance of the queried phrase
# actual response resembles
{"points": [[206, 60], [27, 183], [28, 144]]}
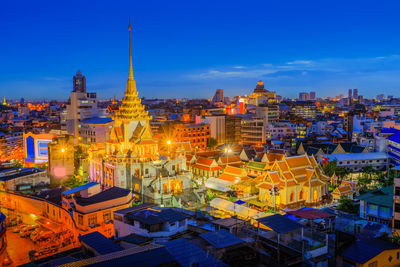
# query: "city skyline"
{"points": [[286, 49]]}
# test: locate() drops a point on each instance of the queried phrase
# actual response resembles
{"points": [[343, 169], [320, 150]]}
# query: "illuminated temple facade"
{"points": [[130, 158], [299, 182]]}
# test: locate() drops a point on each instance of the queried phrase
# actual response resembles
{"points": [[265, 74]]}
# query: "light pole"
{"points": [[227, 150], [274, 192]]}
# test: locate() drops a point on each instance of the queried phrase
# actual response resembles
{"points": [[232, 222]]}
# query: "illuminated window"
{"points": [[80, 219]]}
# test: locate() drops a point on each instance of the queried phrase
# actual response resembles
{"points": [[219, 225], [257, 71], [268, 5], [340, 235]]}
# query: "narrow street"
{"points": [[18, 248]]}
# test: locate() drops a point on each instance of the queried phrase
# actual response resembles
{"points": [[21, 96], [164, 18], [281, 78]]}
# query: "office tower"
{"points": [[355, 93], [313, 96], [380, 97], [81, 106], [79, 82], [303, 96], [350, 96], [218, 98]]}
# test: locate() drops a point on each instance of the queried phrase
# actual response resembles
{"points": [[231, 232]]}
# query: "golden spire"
{"points": [[131, 107], [130, 53]]}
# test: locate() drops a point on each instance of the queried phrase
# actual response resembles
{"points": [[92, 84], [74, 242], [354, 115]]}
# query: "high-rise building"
{"points": [[355, 93], [260, 95], [79, 82], [233, 129], [217, 127], [303, 96], [269, 112], [253, 131], [218, 99], [380, 97], [350, 96], [313, 96], [81, 106]]}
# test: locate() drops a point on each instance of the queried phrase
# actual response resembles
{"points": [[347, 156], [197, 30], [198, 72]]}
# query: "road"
{"points": [[18, 247]]}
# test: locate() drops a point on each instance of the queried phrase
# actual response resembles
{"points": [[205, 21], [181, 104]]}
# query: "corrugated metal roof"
{"points": [[221, 239], [280, 224], [100, 243], [79, 188], [188, 254]]}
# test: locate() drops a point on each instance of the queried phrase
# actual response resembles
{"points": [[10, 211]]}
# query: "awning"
{"points": [[310, 214], [218, 184], [240, 202], [233, 208]]}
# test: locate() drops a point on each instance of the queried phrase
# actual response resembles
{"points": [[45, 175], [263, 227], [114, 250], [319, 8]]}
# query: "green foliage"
{"points": [[212, 142], [347, 205], [210, 196], [330, 167], [72, 182], [42, 166], [232, 199], [18, 164]]}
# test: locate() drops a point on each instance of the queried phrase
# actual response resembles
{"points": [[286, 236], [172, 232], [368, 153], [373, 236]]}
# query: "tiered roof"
{"points": [[292, 171], [131, 107]]}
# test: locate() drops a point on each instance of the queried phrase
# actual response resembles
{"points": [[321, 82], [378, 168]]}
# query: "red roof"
{"points": [[310, 214], [206, 168], [204, 161]]}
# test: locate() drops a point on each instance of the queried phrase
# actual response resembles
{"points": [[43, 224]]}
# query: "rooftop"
{"points": [[10, 174], [156, 216], [188, 254], [99, 243], [362, 251], [79, 188], [221, 239], [381, 197], [357, 156], [280, 224], [97, 120], [109, 194]]}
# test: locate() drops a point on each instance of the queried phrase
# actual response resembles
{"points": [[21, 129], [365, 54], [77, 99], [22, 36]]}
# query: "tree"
{"points": [[330, 167], [347, 205], [212, 142]]}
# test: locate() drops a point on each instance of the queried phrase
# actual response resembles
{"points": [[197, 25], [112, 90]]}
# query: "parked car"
{"points": [[18, 228], [43, 236], [33, 254], [26, 231]]}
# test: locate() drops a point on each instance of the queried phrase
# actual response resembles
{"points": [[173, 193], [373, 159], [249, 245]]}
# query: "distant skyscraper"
{"points": [[380, 96], [313, 96], [218, 97], [81, 106], [79, 83], [304, 96], [355, 93], [350, 94]]}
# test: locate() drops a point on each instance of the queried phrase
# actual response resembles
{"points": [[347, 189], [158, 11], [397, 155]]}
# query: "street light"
{"points": [[227, 150], [62, 150], [168, 142], [274, 192]]}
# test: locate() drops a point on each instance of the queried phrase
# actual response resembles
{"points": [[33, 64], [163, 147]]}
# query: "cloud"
{"points": [[300, 62]]}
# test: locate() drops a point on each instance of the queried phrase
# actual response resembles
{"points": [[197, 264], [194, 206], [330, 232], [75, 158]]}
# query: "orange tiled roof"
{"points": [[275, 156], [206, 168], [229, 160], [235, 171], [229, 178], [204, 161], [283, 165], [298, 161], [343, 190], [275, 178]]}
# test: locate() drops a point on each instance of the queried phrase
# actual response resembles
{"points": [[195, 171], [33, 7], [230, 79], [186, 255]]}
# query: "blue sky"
{"points": [[191, 48]]}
